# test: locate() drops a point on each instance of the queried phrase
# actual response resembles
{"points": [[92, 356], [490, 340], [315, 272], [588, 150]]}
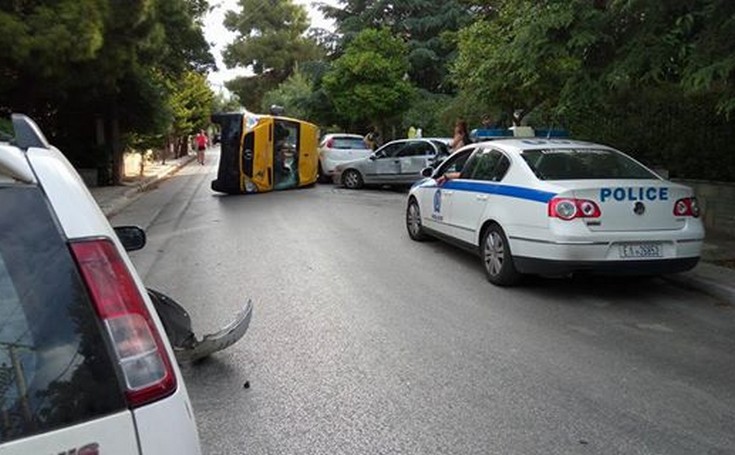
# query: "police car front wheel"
{"points": [[497, 258]]}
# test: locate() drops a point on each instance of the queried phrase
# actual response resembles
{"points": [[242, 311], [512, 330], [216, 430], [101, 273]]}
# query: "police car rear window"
{"points": [[582, 164], [55, 370]]}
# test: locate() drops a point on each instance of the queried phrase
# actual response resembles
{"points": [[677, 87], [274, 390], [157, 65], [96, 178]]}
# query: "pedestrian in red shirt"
{"points": [[202, 141]]}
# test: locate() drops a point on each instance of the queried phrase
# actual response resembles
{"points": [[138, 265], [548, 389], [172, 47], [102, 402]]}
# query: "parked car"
{"points": [[554, 207], [339, 148], [85, 365], [396, 163]]}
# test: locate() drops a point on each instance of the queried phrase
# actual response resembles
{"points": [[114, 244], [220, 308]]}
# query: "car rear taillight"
{"points": [[330, 143], [140, 352], [687, 206], [571, 208]]}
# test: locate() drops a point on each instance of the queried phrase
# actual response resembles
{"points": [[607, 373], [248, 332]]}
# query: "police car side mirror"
{"points": [[427, 171], [373, 157]]}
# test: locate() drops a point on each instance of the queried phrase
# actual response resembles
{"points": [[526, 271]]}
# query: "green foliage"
{"points": [[632, 73], [663, 127], [367, 84], [427, 26], [225, 103], [270, 41], [428, 111], [250, 89], [78, 65], [186, 109], [527, 56], [292, 94]]}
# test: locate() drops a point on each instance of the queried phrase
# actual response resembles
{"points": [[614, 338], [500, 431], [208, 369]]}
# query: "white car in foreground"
{"points": [[339, 148], [554, 207], [85, 364]]}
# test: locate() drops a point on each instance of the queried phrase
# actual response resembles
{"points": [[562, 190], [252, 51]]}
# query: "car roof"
{"points": [[413, 139], [346, 135], [521, 144]]}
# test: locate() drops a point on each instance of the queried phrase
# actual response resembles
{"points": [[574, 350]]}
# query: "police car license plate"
{"points": [[641, 250]]}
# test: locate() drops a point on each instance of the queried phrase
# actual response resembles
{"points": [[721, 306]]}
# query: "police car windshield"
{"points": [[583, 164]]}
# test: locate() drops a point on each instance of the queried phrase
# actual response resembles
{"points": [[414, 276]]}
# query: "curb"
{"points": [[708, 279], [119, 203]]}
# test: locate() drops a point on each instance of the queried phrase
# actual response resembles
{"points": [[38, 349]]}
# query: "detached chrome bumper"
{"points": [[214, 342]]}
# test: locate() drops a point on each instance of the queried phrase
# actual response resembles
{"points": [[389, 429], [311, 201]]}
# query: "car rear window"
{"points": [[55, 367], [582, 164], [348, 143]]}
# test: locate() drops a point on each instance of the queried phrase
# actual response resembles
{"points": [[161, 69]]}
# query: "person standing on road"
{"points": [[202, 141], [372, 139], [461, 135]]}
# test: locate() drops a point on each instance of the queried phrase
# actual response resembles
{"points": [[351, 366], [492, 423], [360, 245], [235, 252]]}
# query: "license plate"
{"points": [[641, 250]]}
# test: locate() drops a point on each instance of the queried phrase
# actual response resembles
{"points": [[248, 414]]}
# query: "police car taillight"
{"points": [[140, 352], [571, 208], [687, 206]]}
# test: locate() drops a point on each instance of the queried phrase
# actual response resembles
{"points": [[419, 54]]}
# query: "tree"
{"points": [[226, 103], [367, 83], [427, 26], [271, 42], [94, 71], [528, 55], [191, 103], [292, 94]]}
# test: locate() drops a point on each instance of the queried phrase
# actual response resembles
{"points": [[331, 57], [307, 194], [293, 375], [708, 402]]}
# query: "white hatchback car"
{"points": [[339, 148], [554, 207], [85, 365]]}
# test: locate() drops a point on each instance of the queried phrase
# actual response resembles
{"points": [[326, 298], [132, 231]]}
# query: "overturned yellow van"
{"points": [[262, 153]]}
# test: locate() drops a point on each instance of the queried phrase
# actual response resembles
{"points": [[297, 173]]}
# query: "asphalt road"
{"points": [[363, 341]]}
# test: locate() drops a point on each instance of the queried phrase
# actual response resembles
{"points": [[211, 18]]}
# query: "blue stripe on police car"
{"points": [[518, 192]]}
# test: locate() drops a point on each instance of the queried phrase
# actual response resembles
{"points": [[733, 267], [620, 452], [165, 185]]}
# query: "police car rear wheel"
{"points": [[413, 222], [497, 259], [352, 179]]}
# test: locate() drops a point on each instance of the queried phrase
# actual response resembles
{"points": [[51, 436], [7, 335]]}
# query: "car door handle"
{"points": [[448, 193], [481, 197]]}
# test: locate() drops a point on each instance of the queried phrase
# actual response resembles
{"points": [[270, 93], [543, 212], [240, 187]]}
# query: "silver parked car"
{"points": [[396, 163]]}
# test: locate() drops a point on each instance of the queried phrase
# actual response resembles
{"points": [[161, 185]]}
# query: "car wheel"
{"points": [[352, 179], [413, 222], [497, 258]]}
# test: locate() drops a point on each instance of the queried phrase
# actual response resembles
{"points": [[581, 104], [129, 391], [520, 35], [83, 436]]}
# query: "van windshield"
{"points": [[584, 164]]}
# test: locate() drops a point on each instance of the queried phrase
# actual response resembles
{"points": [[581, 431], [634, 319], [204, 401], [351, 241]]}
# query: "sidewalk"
{"points": [[714, 276], [112, 199]]}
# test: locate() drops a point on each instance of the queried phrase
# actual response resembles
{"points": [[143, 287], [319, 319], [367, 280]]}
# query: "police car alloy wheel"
{"points": [[496, 257], [413, 222], [352, 179]]}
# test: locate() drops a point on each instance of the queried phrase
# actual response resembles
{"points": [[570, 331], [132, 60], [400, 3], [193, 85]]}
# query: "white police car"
{"points": [[554, 207]]}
